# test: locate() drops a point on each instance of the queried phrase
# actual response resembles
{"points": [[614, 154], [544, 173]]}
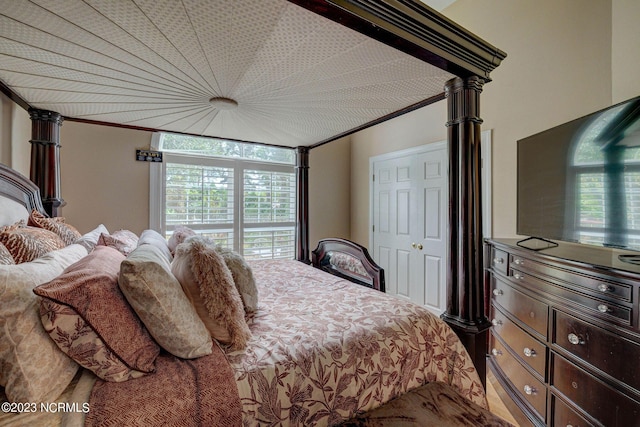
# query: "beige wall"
{"points": [[625, 51], [15, 132], [559, 67], [329, 189], [100, 179]]}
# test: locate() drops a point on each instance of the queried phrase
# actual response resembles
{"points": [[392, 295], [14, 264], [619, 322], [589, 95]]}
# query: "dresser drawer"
{"points": [[499, 260], [531, 390], [528, 310], [602, 402], [600, 286], [614, 311], [530, 350], [563, 416], [608, 352]]}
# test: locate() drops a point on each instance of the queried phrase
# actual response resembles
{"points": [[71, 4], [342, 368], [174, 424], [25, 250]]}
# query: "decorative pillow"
{"points": [[32, 367], [85, 313], [28, 243], [67, 232], [90, 239], [180, 234], [208, 283], [152, 237], [242, 277], [5, 256], [157, 297], [123, 240]]}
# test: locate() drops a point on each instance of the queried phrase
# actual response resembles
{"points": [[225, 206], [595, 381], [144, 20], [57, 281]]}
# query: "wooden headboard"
{"points": [[350, 261], [19, 188]]}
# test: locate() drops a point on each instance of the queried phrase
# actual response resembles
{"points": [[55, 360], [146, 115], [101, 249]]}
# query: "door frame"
{"points": [[486, 146]]}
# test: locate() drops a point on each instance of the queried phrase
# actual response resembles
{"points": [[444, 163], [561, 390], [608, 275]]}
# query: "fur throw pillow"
{"points": [[242, 277], [179, 235], [208, 283]]}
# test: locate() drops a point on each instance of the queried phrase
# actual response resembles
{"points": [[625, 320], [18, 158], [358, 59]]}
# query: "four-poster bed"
{"points": [[434, 57]]}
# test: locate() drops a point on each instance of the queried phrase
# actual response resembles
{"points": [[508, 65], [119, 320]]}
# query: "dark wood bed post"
{"points": [[302, 209], [465, 292], [45, 158]]}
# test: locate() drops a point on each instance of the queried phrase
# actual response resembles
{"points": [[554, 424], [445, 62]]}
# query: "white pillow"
{"points": [[32, 367], [90, 239], [12, 211]]}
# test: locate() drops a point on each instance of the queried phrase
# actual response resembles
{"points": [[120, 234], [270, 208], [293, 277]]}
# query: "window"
{"points": [[241, 195]]}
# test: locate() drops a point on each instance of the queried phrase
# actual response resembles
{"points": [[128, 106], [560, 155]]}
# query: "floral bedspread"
{"points": [[325, 349]]}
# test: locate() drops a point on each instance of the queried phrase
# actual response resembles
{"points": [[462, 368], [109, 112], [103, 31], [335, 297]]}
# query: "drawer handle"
{"points": [[529, 352], [496, 352], [529, 390], [575, 339], [518, 276], [604, 308], [519, 261], [496, 322], [498, 260], [603, 287], [497, 292]]}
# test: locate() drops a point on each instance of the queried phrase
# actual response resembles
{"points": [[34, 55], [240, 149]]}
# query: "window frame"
{"points": [[157, 193]]}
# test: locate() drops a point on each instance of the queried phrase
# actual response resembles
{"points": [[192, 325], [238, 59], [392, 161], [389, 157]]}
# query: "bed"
{"points": [[323, 349], [70, 63]]}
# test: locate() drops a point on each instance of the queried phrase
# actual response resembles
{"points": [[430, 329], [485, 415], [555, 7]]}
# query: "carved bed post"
{"points": [[45, 158], [465, 291], [302, 208]]}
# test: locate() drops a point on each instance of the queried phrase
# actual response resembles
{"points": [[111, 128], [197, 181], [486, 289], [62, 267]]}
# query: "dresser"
{"points": [[565, 341]]}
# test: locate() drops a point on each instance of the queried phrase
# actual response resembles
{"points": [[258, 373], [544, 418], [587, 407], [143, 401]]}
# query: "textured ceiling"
{"points": [[298, 78]]}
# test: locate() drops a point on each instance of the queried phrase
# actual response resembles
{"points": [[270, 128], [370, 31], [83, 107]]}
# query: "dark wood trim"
{"points": [[414, 28], [14, 96], [465, 311], [382, 119], [302, 200], [45, 158]]}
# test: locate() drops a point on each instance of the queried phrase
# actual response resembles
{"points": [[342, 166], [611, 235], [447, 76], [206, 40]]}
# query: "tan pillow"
{"points": [[85, 313], [28, 243], [5, 256], [208, 283], [157, 297], [66, 232], [123, 240], [32, 367]]}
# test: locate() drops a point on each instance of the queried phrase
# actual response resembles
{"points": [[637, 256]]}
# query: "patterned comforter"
{"points": [[325, 349]]}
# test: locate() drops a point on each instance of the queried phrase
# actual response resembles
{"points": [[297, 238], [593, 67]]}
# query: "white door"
{"points": [[409, 216]]}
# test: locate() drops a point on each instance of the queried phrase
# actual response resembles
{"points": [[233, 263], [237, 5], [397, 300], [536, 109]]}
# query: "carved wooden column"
{"points": [[302, 211], [465, 292], [45, 158]]}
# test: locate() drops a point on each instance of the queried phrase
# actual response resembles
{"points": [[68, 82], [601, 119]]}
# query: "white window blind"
{"points": [[242, 203]]}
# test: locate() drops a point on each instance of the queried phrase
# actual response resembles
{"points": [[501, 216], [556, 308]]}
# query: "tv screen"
{"points": [[580, 181]]}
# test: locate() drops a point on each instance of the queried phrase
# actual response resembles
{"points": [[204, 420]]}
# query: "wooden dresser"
{"points": [[565, 342]]}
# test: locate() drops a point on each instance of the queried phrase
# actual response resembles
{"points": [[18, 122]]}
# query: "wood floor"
{"points": [[496, 406]]}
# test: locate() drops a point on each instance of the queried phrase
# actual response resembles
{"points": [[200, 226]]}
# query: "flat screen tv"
{"points": [[580, 181]]}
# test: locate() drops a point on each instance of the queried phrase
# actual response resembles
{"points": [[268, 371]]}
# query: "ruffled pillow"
{"points": [[208, 283], [242, 278], [66, 232]]}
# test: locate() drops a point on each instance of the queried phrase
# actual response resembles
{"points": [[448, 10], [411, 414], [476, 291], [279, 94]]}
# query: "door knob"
{"points": [[413, 245], [419, 246]]}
